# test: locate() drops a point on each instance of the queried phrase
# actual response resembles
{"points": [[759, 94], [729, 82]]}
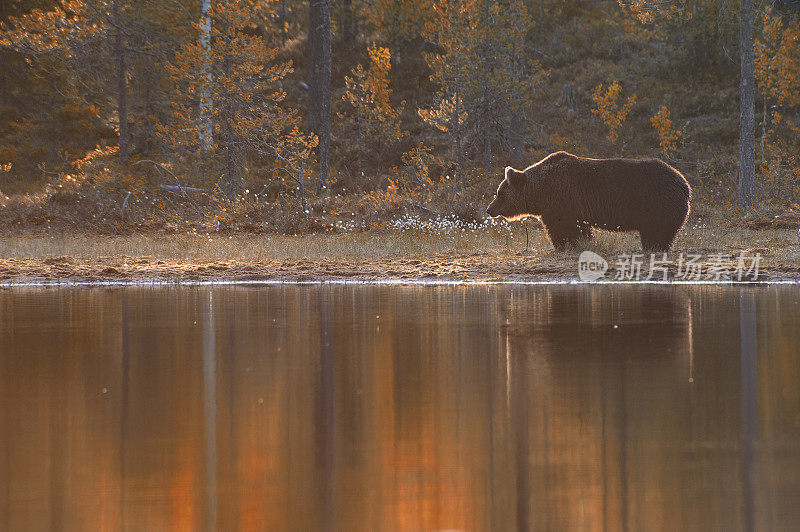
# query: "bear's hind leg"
{"points": [[660, 240]]}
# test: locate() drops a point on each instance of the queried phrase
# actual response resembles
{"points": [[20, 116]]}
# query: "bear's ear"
{"points": [[515, 177]]}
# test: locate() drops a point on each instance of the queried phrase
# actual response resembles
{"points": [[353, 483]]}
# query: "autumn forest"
{"points": [[295, 117]]}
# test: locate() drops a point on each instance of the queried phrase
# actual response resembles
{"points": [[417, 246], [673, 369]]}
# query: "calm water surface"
{"points": [[400, 408]]}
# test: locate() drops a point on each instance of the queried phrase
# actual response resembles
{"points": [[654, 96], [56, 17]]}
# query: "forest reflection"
{"points": [[400, 408]]}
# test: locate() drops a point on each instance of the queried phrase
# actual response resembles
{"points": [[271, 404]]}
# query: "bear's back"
{"points": [[619, 193]]}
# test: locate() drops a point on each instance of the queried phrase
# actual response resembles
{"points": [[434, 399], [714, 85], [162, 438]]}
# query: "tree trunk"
{"points": [[349, 24], [205, 127], [232, 186], [301, 191], [360, 145], [319, 82], [764, 128], [149, 133], [487, 155], [747, 141], [459, 152], [283, 19], [486, 56], [122, 88], [486, 129], [4, 56]]}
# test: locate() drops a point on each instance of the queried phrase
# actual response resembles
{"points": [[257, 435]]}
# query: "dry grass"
{"points": [[485, 253], [244, 247], [777, 243]]}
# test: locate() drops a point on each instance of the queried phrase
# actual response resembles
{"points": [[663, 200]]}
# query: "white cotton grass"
{"points": [[431, 225]]}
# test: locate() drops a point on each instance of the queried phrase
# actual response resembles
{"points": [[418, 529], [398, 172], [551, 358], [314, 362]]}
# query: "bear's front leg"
{"points": [[562, 233], [585, 229]]}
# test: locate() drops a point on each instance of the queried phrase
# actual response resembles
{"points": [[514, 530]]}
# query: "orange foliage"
{"points": [[777, 62], [241, 79], [417, 170], [667, 136], [369, 93], [410, 182], [609, 110], [40, 31], [448, 115], [647, 11], [485, 74]]}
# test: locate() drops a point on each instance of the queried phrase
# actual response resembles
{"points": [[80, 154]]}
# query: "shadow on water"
{"points": [[400, 408]]}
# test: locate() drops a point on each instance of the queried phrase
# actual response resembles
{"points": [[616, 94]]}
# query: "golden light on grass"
{"points": [[407, 253], [204, 247]]}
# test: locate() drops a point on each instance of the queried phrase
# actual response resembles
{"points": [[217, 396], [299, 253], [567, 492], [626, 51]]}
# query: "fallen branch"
{"points": [[423, 208], [125, 203], [267, 185], [159, 165], [180, 188]]}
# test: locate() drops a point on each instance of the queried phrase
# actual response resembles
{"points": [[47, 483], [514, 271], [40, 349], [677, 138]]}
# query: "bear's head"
{"points": [[509, 202], [526, 192]]}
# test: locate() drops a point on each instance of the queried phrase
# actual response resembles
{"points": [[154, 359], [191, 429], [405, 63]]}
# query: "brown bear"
{"points": [[574, 194]]}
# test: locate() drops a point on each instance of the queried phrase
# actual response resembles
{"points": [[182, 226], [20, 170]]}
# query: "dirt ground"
{"points": [[403, 256], [477, 267]]}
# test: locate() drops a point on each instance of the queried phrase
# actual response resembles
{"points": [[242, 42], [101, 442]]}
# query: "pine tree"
{"points": [[106, 48], [747, 141], [485, 76], [375, 120], [319, 82], [250, 120], [65, 39]]}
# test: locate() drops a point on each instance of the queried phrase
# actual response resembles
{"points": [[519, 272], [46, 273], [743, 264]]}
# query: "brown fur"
{"points": [[575, 194]]}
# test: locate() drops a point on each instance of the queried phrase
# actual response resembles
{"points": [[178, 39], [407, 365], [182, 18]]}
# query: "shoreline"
{"points": [[464, 270], [155, 283], [409, 257]]}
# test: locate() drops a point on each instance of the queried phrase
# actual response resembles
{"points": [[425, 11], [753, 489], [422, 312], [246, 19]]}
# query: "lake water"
{"points": [[400, 408]]}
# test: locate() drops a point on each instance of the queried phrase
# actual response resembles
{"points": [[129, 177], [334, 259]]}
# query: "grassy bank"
{"points": [[432, 250]]}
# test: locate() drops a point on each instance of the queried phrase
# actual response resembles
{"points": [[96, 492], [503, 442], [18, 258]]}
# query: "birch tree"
{"points": [[205, 128], [243, 77]]}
